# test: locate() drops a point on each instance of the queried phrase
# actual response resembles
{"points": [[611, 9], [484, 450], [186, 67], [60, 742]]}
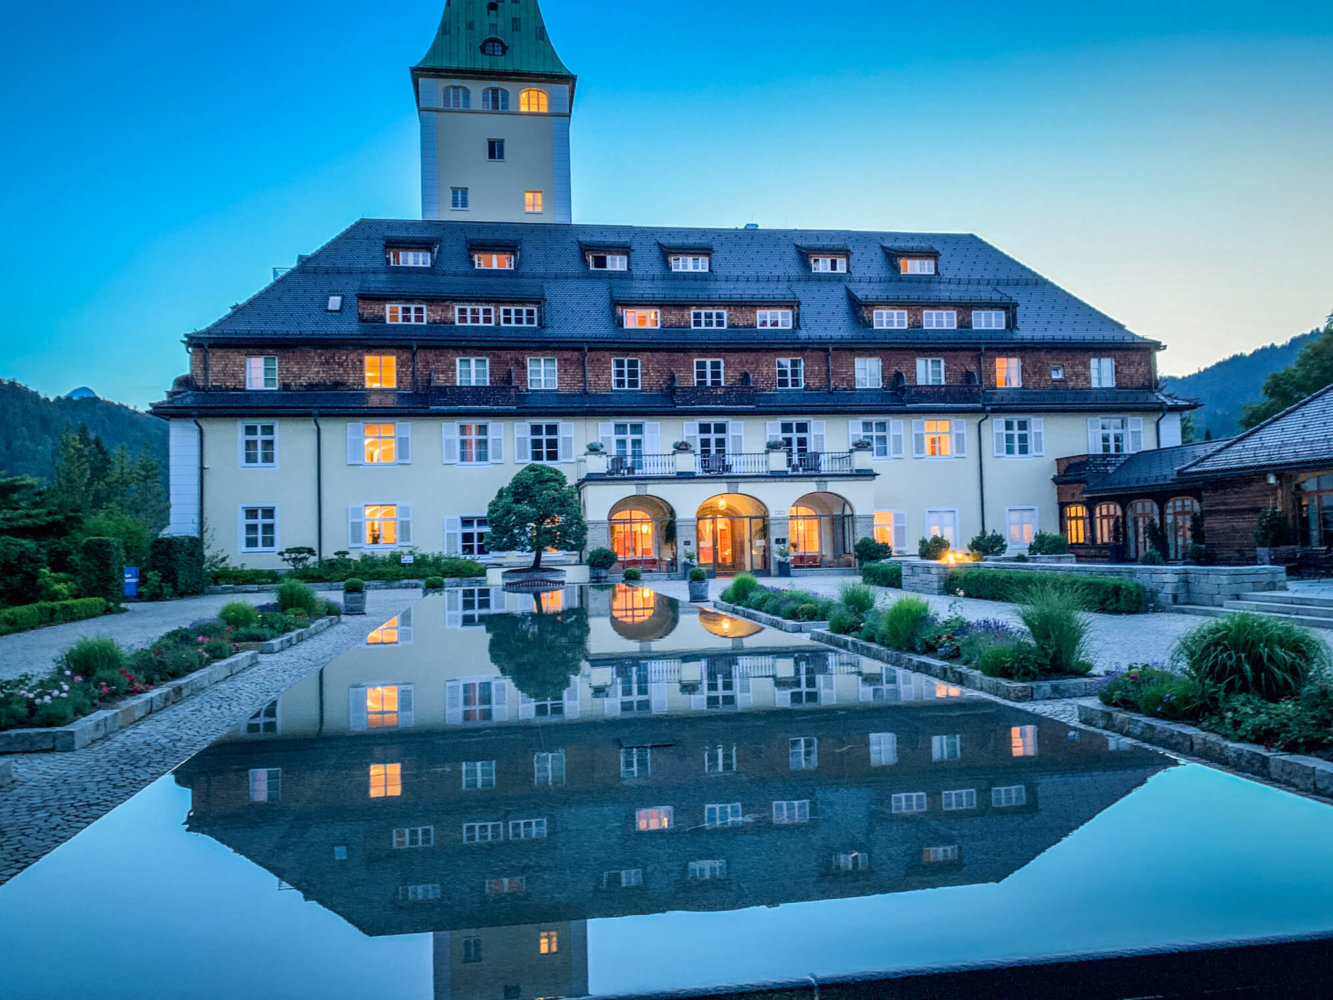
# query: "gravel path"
{"points": [[58, 794]]}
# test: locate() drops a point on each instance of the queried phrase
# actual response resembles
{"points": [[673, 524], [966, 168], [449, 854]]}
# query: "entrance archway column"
{"points": [[864, 526], [599, 535], [687, 538], [779, 526]]}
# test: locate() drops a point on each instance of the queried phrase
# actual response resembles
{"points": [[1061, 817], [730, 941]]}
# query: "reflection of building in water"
{"points": [[543, 960]]}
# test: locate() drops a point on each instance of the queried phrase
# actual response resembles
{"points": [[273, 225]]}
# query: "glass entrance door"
{"points": [[731, 544]]}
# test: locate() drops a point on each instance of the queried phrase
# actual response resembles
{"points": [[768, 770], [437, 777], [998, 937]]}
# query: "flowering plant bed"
{"points": [[767, 620]]}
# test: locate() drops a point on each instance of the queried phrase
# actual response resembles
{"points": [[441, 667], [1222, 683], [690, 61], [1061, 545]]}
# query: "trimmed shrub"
{"points": [[856, 596], [353, 585], [293, 595], [869, 551], [807, 613], [932, 548], [602, 558], [698, 574], [242, 577], [1104, 594], [884, 574], [239, 614], [179, 561], [1152, 558], [741, 587], [1013, 659], [902, 624], [43, 613], [432, 583], [102, 568], [1253, 654], [21, 563], [992, 544], [1044, 544], [1054, 616], [633, 573]]}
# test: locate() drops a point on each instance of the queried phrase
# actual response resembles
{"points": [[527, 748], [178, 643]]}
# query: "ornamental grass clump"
{"points": [[293, 595], [856, 596], [741, 587], [1055, 618], [1252, 654], [239, 614], [902, 624]]}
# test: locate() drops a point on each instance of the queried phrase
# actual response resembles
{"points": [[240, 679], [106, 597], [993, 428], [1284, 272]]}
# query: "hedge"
{"points": [[242, 577], [43, 613], [102, 568], [1116, 597], [179, 561], [883, 574]]}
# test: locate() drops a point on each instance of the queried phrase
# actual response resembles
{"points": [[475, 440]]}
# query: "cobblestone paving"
{"points": [[58, 794]]}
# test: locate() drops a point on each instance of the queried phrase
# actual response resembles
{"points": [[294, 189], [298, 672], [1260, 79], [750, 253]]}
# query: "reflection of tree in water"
{"points": [[541, 651]]}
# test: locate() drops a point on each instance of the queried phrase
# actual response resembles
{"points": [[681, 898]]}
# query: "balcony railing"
{"points": [[817, 462], [731, 465], [810, 463], [641, 465]]}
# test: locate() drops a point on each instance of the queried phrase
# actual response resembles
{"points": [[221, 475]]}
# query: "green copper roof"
{"points": [[468, 25]]}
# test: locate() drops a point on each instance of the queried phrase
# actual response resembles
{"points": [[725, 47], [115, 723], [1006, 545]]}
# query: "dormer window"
{"points": [[988, 319], [916, 265], [495, 47], [407, 257], [608, 261], [890, 319], [690, 262], [828, 263], [641, 319], [493, 260]]}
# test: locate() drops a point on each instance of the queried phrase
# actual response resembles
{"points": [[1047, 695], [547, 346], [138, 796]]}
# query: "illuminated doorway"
{"points": [[733, 534], [821, 532], [643, 534]]}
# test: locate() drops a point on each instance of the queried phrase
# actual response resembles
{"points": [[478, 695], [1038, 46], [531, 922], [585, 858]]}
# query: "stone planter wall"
{"points": [[1305, 774], [324, 588], [954, 673], [300, 635], [1166, 585], [768, 621], [103, 723], [6, 773]]}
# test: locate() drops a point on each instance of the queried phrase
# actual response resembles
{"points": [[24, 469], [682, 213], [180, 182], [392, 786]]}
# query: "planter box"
{"points": [[103, 723], [354, 604], [768, 621], [954, 673], [1305, 774], [698, 591]]}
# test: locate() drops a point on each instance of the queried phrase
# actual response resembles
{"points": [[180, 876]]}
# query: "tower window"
{"points": [[494, 47], [532, 201], [495, 149], [495, 99], [458, 199], [457, 97], [533, 100]]}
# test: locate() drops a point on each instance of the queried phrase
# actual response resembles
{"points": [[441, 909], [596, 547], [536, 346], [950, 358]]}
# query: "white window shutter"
{"points": [[854, 432], [827, 693], [611, 706], [690, 433], [240, 444], [919, 438], [356, 526], [1038, 426], [652, 439], [998, 428], [356, 444], [1135, 434], [356, 708], [959, 428], [527, 708], [817, 437], [1108, 373], [1094, 435], [606, 433], [922, 372], [736, 437], [572, 701], [404, 524], [899, 531], [450, 438], [657, 697], [1017, 378], [566, 442], [406, 711], [404, 444], [453, 536], [495, 435], [896, 438], [772, 431], [500, 700], [522, 443], [453, 703]]}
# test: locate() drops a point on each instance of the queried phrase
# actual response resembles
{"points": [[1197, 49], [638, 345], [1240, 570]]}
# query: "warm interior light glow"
{"points": [[386, 780], [381, 371], [385, 635], [381, 444], [382, 707]]}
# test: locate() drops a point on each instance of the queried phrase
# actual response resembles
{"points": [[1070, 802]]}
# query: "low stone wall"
{"points": [[324, 588], [7, 774], [300, 635], [768, 621], [103, 723], [953, 673], [1166, 585], [1305, 774]]}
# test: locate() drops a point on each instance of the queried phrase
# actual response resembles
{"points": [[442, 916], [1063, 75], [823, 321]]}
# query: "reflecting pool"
{"points": [[601, 791]]}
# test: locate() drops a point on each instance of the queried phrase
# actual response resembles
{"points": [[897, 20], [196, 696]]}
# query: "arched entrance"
{"points": [[643, 534], [821, 531], [733, 534]]}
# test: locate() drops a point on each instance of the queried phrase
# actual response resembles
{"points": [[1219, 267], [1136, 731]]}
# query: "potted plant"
{"points": [[595, 447], [861, 444], [633, 575], [784, 560], [599, 561], [698, 585], [434, 584], [683, 446], [354, 597]]}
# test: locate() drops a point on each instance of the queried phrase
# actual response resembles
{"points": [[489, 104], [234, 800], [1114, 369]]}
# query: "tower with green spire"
{"points": [[494, 102]]}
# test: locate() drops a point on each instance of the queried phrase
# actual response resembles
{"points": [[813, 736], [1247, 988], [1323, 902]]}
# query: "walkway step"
{"points": [[1206, 611], [1287, 597], [1276, 607]]}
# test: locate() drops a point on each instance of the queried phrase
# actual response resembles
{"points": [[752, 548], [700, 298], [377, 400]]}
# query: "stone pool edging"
{"points": [[325, 588], [1303, 773], [290, 639], [7, 774], [102, 723], [767, 620], [954, 673]]}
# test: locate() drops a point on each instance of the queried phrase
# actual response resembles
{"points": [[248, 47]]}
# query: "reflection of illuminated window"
{"points": [[658, 818], [386, 780], [1009, 795], [548, 768], [852, 861], [932, 855], [1023, 741], [727, 626], [632, 604], [505, 886], [552, 600], [548, 942], [947, 691], [385, 635]]}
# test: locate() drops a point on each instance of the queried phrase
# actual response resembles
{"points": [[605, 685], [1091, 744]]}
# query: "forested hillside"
{"points": [[32, 425], [1226, 387]]}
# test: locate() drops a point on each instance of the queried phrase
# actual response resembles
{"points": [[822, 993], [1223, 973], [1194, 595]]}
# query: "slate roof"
{"points": [[748, 265], [1147, 470], [1300, 437], [465, 25]]}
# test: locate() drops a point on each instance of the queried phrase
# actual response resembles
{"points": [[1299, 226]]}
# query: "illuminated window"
{"points": [[642, 319], [890, 319], [527, 829], [720, 759], [803, 753], [381, 371], [495, 98], [380, 444], [635, 762], [1020, 526], [869, 373], [419, 893], [264, 721], [803, 530], [934, 855], [388, 705], [498, 260], [543, 373], [518, 315], [708, 371], [930, 371], [383, 525], [471, 949], [883, 749], [959, 798], [1108, 524], [946, 747], [532, 201], [939, 438], [408, 258], [265, 784], [398, 312], [458, 199], [916, 265], [723, 814], [505, 886], [708, 319], [890, 527], [414, 836], [475, 315], [657, 818], [386, 781], [773, 319], [457, 97], [988, 319], [1103, 373], [262, 372], [791, 373], [483, 833], [1009, 795], [385, 635], [478, 774], [532, 100], [821, 264], [1009, 373], [851, 861], [259, 529], [625, 371], [939, 319], [548, 767], [690, 262], [701, 871], [548, 942], [625, 878], [1023, 741], [608, 261], [1075, 523], [791, 812], [908, 802]]}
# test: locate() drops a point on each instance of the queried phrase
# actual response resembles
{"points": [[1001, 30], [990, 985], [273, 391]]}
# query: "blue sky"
{"points": [[1169, 162]]}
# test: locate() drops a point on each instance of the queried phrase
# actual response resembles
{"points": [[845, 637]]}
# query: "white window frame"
{"points": [[404, 314], [917, 265], [891, 437], [422, 892], [402, 525], [889, 319], [711, 366], [1104, 430], [245, 520], [851, 861], [958, 799], [494, 146], [474, 315], [690, 262], [906, 803], [409, 837], [448, 95], [563, 437], [609, 261], [708, 319], [719, 758], [948, 746], [401, 257], [869, 373], [790, 373], [265, 784], [534, 201], [988, 319], [545, 770], [721, 815], [1010, 524], [939, 854], [1101, 372], [829, 264], [936, 524], [931, 371], [652, 319], [459, 198], [478, 371], [495, 99], [1026, 435], [1057, 373], [483, 833], [547, 371], [528, 829], [494, 260], [518, 315], [707, 871], [773, 319], [1008, 796], [636, 763], [803, 753], [659, 818], [939, 319], [244, 437], [1023, 740], [478, 775], [626, 370], [791, 812], [261, 372], [953, 431], [883, 749]]}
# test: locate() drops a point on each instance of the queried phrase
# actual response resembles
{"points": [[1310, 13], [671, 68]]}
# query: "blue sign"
{"points": [[131, 581]]}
